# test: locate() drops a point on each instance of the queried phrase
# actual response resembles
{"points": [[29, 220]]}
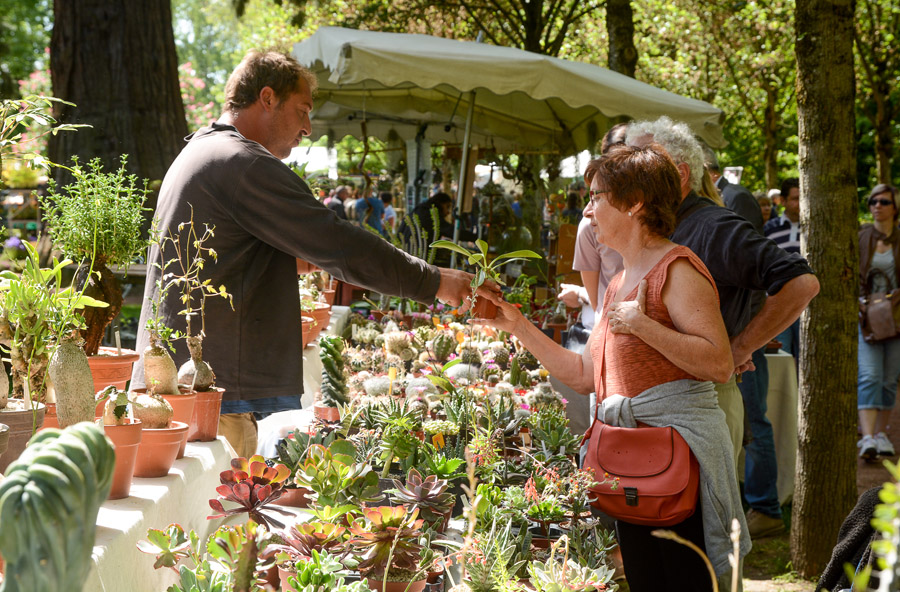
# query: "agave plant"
{"points": [[387, 539], [429, 495], [567, 575], [252, 485]]}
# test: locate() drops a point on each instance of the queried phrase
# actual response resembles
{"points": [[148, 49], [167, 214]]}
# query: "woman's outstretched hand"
{"points": [[623, 315], [507, 319]]}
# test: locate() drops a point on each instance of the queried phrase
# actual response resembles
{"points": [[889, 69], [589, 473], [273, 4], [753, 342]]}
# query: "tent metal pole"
{"points": [[463, 169]]}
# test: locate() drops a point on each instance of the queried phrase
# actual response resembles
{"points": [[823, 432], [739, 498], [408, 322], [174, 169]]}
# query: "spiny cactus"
{"points": [[397, 341], [334, 384], [440, 426], [442, 346], [469, 354], [527, 360], [500, 353]]}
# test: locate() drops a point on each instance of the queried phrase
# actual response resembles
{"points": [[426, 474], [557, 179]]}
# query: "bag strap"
{"points": [[602, 336]]}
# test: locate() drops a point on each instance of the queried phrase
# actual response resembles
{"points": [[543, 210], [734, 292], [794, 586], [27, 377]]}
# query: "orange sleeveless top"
{"points": [[625, 365]]}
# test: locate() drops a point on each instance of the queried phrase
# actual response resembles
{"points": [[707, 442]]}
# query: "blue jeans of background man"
{"points": [[879, 367], [790, 339], [760, 466]]}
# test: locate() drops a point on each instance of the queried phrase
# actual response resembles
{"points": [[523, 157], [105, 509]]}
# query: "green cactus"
{"points": [[469, 354], [442, 346], [334, 382], [527, 360], [500, 353], [48, 507]]}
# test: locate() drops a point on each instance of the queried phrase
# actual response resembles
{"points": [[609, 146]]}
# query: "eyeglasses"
{"points": [[880, 202], [595, 196]]}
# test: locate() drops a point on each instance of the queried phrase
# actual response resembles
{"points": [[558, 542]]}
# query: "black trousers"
{"points": [[653, 564]]}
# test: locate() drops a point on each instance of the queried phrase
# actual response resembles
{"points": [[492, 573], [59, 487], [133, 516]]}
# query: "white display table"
{"points": [[181, 497]]}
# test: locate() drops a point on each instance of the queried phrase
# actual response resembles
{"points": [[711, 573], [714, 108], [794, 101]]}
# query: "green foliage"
{"points": [[49, 501], [387, 539], [18, 118], [484, 268], [99, 215], [335, 478], [567, 575], [25, 27]]}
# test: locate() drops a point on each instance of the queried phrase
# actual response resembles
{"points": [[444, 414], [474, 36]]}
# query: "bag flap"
{"points": [[634, 452]]}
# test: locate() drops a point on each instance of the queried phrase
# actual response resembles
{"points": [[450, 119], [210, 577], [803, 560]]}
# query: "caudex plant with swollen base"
{"points": [[37, 318], [485, 269], [181, 272]]}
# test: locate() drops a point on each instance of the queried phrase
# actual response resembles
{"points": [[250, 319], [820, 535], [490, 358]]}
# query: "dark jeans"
{"points": [[657, 565], [760, 466]]}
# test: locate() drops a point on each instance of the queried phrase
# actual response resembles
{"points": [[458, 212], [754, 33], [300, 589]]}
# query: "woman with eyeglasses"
{"points": [[879, 361]]}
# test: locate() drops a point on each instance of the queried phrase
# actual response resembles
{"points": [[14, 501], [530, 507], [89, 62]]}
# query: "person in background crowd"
{"points": [[336, 204], [879, 361], [735, 197], [663, 311], [390, 216], [775, 196], [741, 261], [516, 206], [369, 211], [765, 206], [444, 205], [572, 213], [230, 176], [785, 231]]}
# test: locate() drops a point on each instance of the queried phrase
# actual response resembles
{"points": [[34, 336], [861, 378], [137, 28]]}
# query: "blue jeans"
{"points": [[879, 368], [760, 466], [790, 339]]}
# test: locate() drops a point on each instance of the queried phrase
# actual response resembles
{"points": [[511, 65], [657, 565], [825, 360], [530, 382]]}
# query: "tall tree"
{"points": [[117, 62], [623, 55], [826, 468], [877, 43]]}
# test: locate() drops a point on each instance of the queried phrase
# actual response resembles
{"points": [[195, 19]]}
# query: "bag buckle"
{"points": [[631, 496]]}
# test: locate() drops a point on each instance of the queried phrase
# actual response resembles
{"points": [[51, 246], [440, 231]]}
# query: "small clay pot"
{"points": [[322, 315], [484, 309], [306, 330], [323, 412], [126, 439], [375, 584], [50, 418], [183, 405], [328, 295], [110, 368], [283, 575], [204, 425], [158, 449], [23, 423], [294, 497]]}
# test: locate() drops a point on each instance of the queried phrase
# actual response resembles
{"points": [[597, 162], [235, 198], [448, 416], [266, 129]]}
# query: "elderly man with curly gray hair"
{"points": [[741, 261]]}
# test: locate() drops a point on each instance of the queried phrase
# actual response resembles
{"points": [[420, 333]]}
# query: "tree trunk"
{"points": [[826, 464], [770, 137], [620, 28], [117, 62]]}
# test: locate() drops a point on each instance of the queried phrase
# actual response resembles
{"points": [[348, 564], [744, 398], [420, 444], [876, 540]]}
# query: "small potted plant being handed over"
{"points": [[484, 270], [97, 221]]}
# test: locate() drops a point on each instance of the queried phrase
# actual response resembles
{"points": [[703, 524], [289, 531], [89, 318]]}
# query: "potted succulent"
{"points": [[161, 436], [292, 452], [125, 433], [428, 495], [335, 478], [485, 269], [34, 312], [386, 543], [97, 221], [333, 392], [253, 486]]}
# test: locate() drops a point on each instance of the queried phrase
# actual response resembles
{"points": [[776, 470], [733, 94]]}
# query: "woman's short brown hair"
{"points": [[257, 70], [645, 175], [885, 188]]}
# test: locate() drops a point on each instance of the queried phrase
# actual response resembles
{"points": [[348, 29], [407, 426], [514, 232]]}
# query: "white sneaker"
{"points": [[868, 448], [884, 446]]}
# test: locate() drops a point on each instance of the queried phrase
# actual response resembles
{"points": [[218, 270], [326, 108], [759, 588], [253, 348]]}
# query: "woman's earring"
{"points": [[631, 213]]}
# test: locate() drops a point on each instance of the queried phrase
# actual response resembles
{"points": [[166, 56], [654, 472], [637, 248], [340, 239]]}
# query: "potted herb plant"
{"points": [[485, 269], [97, 221]]}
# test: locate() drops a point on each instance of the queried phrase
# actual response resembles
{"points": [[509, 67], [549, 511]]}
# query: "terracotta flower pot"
{"points": [[158, 450], [322, 315], [326, 413], [294, 497], [375, 584], [23, 423], [108, 368], [283, 575], [304, 267], [126, 439], [50, 418], [328, 295], [484, 309], [307, 330], [205, 420], [183, 405], [4, 437]]}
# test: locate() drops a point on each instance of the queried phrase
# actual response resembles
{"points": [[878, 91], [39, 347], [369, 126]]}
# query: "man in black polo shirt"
{"points": [[740, 261]]}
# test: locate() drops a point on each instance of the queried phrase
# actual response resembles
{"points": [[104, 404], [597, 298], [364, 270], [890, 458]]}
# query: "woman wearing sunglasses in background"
{"points": [[879, 361]]}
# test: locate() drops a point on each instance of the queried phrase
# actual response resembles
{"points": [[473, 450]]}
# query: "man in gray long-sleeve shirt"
{"points": [[231, 177]]}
